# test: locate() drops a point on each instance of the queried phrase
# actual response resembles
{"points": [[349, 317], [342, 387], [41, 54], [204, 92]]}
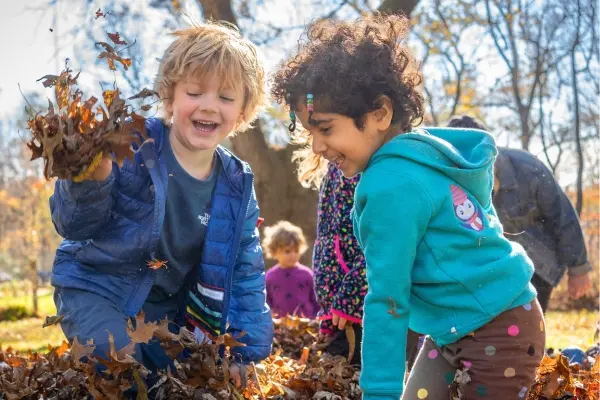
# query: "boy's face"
{"points": [[203, 112], [287, 256]]}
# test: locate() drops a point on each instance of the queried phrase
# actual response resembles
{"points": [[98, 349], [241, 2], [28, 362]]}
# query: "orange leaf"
{"points": [[125, 61], [63, 348], [156, 264], [109, 96]]}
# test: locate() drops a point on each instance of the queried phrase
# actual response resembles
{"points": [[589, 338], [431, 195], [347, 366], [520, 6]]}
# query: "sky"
{"points": [[28, 48]]}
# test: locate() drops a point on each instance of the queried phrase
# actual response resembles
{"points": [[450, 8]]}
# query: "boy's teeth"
{"points": [[205, 125]]}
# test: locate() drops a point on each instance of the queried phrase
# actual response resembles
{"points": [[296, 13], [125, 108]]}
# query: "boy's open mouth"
{"points": [[205, 126]]}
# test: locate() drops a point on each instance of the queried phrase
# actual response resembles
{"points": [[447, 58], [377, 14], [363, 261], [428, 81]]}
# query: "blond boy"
{"points": [[184, 200]]}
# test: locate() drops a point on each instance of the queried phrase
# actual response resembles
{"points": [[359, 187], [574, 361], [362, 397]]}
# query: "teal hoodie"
{"points": [[437, 259]]}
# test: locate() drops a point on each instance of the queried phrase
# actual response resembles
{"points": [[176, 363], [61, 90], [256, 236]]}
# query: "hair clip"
{"points": [[309, 106], [292, 125]]}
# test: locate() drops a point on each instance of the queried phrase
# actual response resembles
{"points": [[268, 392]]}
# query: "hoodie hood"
{"points": [[465, 155]]}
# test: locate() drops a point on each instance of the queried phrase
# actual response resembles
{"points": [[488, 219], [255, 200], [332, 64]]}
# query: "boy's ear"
{"points": [[240, 120], [384, 114], [168, 106]]}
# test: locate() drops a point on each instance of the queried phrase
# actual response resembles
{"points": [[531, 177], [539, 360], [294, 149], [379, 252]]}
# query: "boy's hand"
{"points": [[239, 373], [103, 170]]}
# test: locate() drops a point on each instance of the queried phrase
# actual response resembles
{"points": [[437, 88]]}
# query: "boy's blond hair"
{"points": [[283, 234], [214, 47]]}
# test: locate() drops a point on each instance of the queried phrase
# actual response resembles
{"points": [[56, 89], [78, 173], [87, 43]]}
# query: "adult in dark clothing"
{"points": [[536, 213]]}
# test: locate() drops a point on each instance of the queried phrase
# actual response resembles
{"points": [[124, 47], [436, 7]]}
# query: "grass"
{"points": [[45, 302], [571, 328], [563, 328], [28, 334]]}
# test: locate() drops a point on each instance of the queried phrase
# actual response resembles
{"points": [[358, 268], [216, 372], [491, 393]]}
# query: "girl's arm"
{"points": [[390, 223]]}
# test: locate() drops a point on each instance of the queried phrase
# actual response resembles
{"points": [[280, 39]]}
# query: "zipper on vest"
{"points": [[232, 265]]}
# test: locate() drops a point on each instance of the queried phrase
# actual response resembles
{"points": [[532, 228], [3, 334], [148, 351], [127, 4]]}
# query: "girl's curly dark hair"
{"points": [[348, 67]]}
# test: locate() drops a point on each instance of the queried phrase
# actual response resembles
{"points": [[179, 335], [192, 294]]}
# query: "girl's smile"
{"points": [[337, 138]]}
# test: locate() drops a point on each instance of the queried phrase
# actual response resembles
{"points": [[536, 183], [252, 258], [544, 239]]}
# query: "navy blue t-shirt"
{"points": [[186, 219]]}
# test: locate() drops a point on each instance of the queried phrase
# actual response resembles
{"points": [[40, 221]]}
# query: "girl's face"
{"points": [[336, 138], [287, 256]]}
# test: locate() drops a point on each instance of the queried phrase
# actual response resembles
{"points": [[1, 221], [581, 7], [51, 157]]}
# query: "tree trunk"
{"points": [[525, 132], [280, 195], [34, 285], [580, 160]]}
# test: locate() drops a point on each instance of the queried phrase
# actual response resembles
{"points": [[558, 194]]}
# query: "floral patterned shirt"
{"points": [[338, 262]]}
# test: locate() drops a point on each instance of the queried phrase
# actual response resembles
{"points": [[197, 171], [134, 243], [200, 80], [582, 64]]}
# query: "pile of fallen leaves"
{"points": [[76, 132], [293, 335], [71, 372], [556, 379]]}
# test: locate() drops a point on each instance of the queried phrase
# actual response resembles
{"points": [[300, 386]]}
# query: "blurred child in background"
{"points": [[290, 287]]}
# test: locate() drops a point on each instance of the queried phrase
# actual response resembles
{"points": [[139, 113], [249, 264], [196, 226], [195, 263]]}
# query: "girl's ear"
{"points": [[384, 114]]}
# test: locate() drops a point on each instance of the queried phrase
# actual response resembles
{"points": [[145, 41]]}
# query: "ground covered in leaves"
{"points": [[295, 370]]}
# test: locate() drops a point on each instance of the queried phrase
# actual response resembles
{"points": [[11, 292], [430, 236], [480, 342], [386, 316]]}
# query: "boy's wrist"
{"points": [[99, 169]]}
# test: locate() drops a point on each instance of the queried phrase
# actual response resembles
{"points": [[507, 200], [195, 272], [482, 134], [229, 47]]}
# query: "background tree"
{"points": [[448, 59], [27, 236], [504, 61], [524, 35], [580, 42]]}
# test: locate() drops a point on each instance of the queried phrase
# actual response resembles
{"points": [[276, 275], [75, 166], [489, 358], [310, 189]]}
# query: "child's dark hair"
{"points": [[348, 66], [465, 121]]}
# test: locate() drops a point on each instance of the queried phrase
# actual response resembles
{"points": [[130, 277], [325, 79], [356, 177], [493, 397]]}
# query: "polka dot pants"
{"points": [[497, 361]]}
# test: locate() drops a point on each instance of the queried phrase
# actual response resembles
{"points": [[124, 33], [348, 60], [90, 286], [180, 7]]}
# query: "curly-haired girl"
{"points": [[338, 261], [437, 260]]}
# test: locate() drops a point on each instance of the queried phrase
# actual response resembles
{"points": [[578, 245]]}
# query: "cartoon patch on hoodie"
{"points": [[468, 213]]}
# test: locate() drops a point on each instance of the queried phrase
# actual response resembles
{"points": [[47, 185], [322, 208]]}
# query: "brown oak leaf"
{"points": [[78, 350], [143, 331]]}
